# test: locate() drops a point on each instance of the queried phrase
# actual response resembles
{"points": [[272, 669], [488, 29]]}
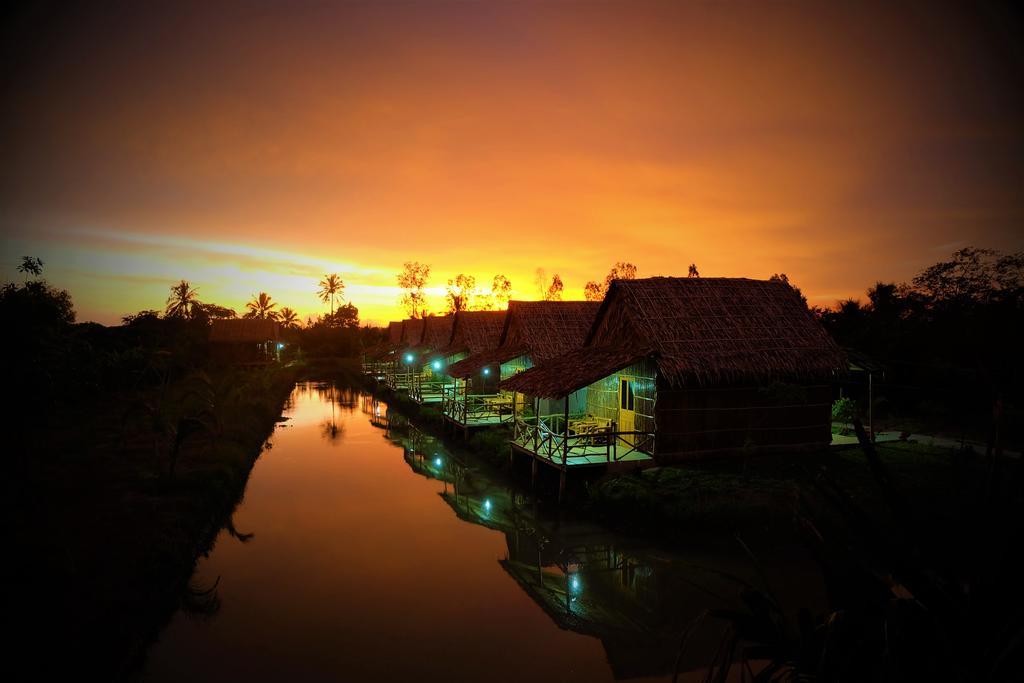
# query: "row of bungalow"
{"points": [[663, 370]]}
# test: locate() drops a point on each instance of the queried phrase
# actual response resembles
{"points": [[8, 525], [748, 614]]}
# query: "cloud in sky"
{"points": [[254, 147]]}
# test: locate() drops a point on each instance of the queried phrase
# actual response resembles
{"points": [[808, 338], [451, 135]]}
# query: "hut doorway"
{"points": [[627, 412]]}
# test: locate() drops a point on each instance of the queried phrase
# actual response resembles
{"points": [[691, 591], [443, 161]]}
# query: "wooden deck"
{"points": [[585, 444], [476, 411]]}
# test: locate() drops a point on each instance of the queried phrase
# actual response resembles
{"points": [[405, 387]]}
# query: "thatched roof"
{"points": [[412, 332], [699, 331], [475, 331], [540, 329], [437, 332], [244, 331], [395, 332], [574, 370]]}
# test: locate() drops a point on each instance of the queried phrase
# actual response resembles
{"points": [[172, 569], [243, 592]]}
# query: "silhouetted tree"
{"points": [[216, 312], [31, 265], [183, 301], [346, 317], [330, 287], [413, 279], [501, 290], [595, 291], [554, 291], [261, 307], [288, 318], [460, 293], [782, 277], [693, 272]]}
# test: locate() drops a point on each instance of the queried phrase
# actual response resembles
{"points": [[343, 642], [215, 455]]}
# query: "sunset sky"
{"points": [[259, 145]]}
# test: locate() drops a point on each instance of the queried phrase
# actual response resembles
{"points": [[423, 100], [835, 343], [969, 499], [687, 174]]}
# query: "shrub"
{"points": [[844, 410]]}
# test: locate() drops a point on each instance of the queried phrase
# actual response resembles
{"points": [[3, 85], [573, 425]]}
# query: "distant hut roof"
{"points": [[541, 329], [413, 332], [244, 331], [437, 332], [395, 331], [475, 331], [699, 331]]}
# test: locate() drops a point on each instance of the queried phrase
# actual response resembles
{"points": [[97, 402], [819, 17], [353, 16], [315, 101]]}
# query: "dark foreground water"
{"points": [[375, 555]]}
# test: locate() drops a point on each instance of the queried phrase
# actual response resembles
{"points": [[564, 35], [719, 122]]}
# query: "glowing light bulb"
{"points": [[437, 462], [487, 504], [437, 364], [408, 358], [487, 371], [575, 583]]}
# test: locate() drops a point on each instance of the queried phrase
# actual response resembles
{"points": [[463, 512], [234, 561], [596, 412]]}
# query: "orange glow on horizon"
{"points": [[253, 151]]}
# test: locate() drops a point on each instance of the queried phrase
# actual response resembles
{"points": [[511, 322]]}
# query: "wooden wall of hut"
{"points": [[515, 366], [603, 396], [481, 383], [719, 420]]}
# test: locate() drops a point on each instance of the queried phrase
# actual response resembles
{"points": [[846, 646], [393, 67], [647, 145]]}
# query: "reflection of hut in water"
{"points": [[376, 409], [637, 605]]}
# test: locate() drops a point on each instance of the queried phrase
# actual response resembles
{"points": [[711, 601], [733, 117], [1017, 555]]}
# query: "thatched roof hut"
{"points": [[395, 332], [391, 343], [702, 365], [244, 331], [541, 330], [699, 332], [475, 331], [437, 332]]}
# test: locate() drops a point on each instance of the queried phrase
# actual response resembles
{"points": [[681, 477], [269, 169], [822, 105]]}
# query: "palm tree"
{"points": [[183, 301], [260, 307], [330, 287], [288, 317]]}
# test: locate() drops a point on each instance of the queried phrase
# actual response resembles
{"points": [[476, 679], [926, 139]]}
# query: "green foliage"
{"points": [[844, 410]]}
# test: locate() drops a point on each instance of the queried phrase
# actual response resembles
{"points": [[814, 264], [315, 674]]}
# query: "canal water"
{"points": [[365, 551]]}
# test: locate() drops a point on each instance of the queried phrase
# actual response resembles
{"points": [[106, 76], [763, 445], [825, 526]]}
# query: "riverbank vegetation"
{"points": [[129, 449]]}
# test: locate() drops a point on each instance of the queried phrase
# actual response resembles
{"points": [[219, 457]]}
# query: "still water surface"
{"points": [[375, 555]]}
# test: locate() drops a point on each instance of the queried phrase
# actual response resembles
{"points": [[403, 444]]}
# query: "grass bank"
{"points": [[119, 499], [764, 494]]}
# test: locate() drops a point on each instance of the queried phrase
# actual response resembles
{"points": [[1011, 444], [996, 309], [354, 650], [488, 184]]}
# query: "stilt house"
{"points": [[681, 368], [431, 376], [533, 332]]}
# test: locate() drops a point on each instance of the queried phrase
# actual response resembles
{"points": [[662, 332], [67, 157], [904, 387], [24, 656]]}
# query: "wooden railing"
{"points": [[428, 390], [547, 438], [399, 379], [376, 369], [476, 408]]}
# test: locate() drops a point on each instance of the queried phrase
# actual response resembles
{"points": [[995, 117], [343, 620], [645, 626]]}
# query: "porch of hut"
{"points": [[532, 332], [473, 401], [594, 413], [377, 360], [403, 363], [684, 368], [431, 378]]}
